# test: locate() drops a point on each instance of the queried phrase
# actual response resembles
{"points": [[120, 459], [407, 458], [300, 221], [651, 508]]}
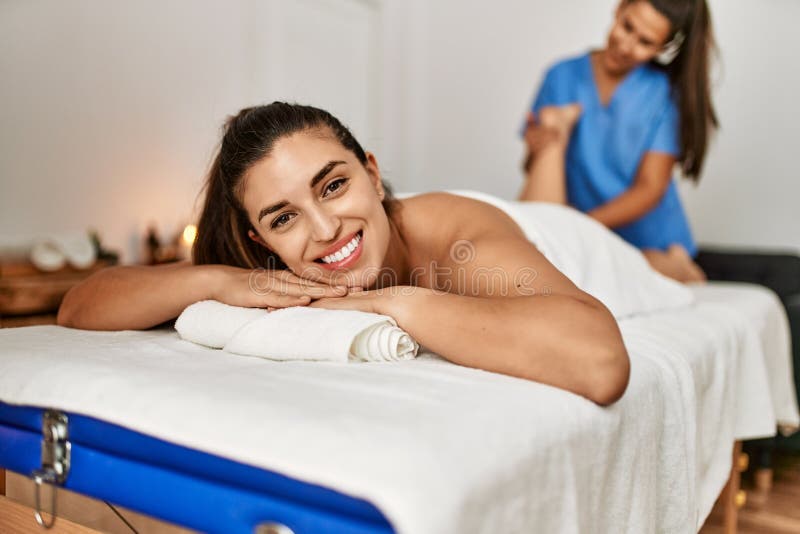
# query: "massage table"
{"points": [[224, 443]]}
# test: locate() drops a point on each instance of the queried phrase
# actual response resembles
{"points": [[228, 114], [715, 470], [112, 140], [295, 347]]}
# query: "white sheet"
{"points": [[437, 447], [762, 310]]}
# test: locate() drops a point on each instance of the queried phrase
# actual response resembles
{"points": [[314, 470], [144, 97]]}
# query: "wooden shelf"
{"points": [[26, 291]]}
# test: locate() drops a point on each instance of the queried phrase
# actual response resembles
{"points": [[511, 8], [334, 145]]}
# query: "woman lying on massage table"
{"points": [[296, 214]]}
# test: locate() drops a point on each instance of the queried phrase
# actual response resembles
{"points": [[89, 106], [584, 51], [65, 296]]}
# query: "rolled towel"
{"points": [[46, 256], [297, 333], [213, 323], [78, 249], [52, 252]]}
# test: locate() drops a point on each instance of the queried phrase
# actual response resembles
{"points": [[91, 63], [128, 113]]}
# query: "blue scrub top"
{"points": [[609, 142]]}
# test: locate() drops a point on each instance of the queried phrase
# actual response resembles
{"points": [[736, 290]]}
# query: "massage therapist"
{"points": [[607, 128]]}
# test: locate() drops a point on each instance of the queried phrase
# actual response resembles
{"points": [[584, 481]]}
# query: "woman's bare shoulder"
{"points": [[453, 216]]}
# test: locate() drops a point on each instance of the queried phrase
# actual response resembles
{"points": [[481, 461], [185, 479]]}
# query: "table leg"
{"points": [[731, 494]]}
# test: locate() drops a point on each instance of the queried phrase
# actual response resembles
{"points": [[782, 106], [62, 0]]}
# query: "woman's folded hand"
{"points": [[262, 288]]}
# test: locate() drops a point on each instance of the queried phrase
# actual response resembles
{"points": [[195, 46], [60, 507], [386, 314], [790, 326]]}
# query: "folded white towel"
{"points": [[298, 333], [213, 323], [52, 252]]}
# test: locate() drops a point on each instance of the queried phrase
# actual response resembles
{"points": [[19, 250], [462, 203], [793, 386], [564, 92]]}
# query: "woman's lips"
{"points": [[349, 260]]}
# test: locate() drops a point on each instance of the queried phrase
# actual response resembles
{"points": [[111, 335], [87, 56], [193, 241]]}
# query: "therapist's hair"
{"points": [[247, 138], [689, 76]]}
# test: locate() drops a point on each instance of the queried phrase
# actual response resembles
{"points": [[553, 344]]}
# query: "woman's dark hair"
{"points": [[247, 138], [689, 75]]}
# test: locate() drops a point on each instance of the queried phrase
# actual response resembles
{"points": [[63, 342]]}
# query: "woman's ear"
{"points": [[255, 237], [374, 173]]}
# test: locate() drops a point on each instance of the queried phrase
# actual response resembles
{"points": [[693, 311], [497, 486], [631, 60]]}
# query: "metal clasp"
{"points": [[273, 528], [55, 461]]}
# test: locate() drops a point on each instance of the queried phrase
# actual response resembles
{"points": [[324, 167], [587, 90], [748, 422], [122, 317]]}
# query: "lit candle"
{"points": [[187, 240]]}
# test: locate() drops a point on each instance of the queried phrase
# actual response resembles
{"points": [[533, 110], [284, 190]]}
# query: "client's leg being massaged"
{"points": [[546, 181], [292, 191]]}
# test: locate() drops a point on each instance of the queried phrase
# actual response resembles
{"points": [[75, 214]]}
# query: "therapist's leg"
{"points": [[546, 174], [675, 263]]}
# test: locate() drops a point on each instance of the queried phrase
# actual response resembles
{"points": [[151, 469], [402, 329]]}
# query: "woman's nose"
{"points": [[324, 226], [625, 45]]}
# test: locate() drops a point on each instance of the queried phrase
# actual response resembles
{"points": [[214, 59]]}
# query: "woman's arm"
{"points": [[649, 186], [555, 339], [537, 326], [140, 297]]}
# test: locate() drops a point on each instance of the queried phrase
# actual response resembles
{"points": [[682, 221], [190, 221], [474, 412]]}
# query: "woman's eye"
{"points": [[281, 220], [334, 186]]}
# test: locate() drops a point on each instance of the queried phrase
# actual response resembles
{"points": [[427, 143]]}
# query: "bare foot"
{"points": [[675, 263], [561, 119], [693, 272]]}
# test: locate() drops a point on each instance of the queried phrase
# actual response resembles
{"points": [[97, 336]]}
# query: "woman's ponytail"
{"points": [[690, 79], [222, 229]]}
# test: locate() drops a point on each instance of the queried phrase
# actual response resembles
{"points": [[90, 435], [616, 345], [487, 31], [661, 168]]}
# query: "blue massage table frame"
{"points": [[181, 485]]}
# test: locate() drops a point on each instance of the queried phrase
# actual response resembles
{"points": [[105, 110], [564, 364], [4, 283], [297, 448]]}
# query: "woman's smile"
{"points": [[344, 253]]}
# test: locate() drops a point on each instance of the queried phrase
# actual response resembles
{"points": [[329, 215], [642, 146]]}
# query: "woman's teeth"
{"points": [[343, 252]]}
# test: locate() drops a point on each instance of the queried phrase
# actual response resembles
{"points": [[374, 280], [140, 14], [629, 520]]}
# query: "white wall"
{"points": [[477, 64], [110, 112], [481, 62], [750, 193]]}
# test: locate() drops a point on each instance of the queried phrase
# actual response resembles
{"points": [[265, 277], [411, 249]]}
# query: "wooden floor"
{"points": [[74, 511], [775, 513]]}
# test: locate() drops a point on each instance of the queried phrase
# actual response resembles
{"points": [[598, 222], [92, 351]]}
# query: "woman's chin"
{"points": [[611, 64]]}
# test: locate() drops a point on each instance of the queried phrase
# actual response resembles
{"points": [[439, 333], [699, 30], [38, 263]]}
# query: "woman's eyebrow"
{"points": [[322, 173], [271, 209]]}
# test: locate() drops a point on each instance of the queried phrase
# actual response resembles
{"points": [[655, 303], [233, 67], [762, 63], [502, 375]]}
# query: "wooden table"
{"points": [[31, 297]]}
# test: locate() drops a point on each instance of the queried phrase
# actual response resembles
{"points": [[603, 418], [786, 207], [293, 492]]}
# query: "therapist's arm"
{"points": [[649, 186]]}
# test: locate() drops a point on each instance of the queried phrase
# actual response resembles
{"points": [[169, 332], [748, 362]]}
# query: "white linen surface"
{"points": [[437, 447], [298, 333], [768, 335]]}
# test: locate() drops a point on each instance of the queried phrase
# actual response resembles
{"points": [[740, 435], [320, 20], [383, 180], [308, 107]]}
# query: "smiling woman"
{"points": [[293, 196]]}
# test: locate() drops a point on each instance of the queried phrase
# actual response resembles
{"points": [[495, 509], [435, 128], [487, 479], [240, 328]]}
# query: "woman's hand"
{"points": [[261, 288], [393, 301]]}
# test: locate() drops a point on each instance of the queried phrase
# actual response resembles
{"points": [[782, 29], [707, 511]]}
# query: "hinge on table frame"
{"points": [[55, 461], [272, 528]]}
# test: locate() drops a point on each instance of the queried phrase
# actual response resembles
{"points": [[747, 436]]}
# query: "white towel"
{"points": [[297, 333], [213, 323], [52, 252]]}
